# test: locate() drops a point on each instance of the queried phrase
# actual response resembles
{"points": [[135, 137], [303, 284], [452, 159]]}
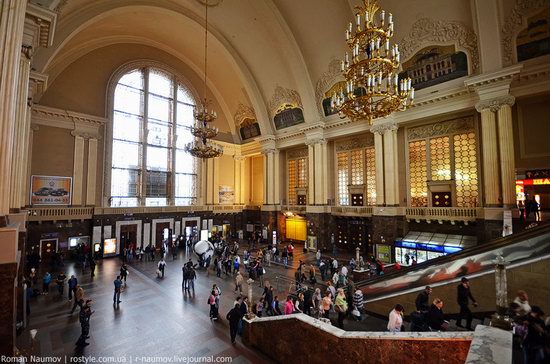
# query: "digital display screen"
{"points": [[109, 246]]}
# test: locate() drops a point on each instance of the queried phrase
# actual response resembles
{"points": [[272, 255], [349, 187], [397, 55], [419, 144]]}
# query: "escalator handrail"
{"points": [[494, 244]]}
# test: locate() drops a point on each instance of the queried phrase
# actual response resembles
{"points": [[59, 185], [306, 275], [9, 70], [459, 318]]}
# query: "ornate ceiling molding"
{"points": [[515, 23], [40, 26], [465, 124], [283, 96], [425, 31], [49, 116], [244, 112], [325, 82]]}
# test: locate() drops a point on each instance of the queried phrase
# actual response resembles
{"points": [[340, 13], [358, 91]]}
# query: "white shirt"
{"points": [[523, 305], [335, 264], [345, 271], [395, 321], [318, 255]]}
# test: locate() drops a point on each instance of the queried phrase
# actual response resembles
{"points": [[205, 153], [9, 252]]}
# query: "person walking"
{"points": [[234, 317], [213, 306], [236, 264], [289, 306], [326, 304], [341, 307], [435, 317], [123, 273], [260, 271], [422, 300], [84, 318], [92, 267], [161, 265], [72, 282], [239, 282], [358, 304], [396, 319], [463, 296], [318, 257], [276, 308], [46, 280], [61, 278], [118, 285], [78, 297], [184, 282]]}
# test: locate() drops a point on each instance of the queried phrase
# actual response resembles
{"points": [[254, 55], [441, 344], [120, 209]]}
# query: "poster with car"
{"points": [[51, 190]]}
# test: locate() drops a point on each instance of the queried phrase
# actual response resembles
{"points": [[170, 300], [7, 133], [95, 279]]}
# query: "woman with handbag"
{"points": [[341, 307]]}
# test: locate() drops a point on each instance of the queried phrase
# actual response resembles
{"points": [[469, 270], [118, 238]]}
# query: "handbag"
{"points": [[338, 308]]}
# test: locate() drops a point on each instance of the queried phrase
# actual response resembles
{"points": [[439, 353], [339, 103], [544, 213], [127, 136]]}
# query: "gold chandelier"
{"points": [[372, 87], [202, 146]]}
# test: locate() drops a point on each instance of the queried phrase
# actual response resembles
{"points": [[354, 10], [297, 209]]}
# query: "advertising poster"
{"points": [[109, 247], [51, 190]]}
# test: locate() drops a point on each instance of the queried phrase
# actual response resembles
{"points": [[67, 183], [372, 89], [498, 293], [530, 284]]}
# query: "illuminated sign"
{"points": [[533, 182]]}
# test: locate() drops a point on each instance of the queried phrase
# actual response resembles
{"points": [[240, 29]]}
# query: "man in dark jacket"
{"points": [[463, 296], [234, 317], [84, 318], [436, 320], [422, 300]]}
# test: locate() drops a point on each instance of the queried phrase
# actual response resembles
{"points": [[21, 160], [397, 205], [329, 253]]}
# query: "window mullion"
{"points": [[173, 140], [144, 139]]}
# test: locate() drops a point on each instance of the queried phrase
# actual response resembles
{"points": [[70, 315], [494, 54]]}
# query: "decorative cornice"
{"points": [[495, 104], [244, 112], [426, 30], [325, 82], [316, 140], [516, 22], [66, 119], [282, 96], [465, 124], [39, 26], [85, 135]]}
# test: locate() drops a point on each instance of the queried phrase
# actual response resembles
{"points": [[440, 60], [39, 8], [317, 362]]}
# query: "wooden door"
{"points": [[441, 199], [48, 247]]}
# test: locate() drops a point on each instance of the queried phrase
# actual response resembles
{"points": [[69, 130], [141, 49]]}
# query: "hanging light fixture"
{"points": [[372, 87], [202, 146]]}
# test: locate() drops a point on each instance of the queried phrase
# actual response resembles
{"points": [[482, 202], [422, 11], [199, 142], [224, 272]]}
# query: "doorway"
{"points": [[128, 236], [160, 233], [48, 247]]}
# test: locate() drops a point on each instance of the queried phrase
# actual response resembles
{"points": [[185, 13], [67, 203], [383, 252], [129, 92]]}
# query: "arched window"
{"points": [[152, 114]]}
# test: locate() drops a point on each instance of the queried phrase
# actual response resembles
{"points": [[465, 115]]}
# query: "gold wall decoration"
{"points": [[467, 193], [418, 174], [284, 96], [343, 177], [371, 176], [363, 141], [464, 124], [440, 159]]}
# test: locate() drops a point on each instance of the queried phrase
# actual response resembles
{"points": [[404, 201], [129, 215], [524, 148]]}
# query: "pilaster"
{"points": [[490, 156], [507, 160], [270, 175], [78, 169], [379, 163], [91, 172]]}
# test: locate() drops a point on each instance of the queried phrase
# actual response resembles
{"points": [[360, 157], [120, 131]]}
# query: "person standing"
{"points": [[358, 304], [191, 279], [92, 267], [276, 308], [463, 296], [522, 300], [318, 257], [239, 282], [289, 306], [436, 320], [396, 319], [185, 280], [260, 272], [84, 318], [72, 282], [326, 304], [161, 265], [61, 277], [118, 285], [46, 280], [236, 264], [213, 306], [422, 300], [78, 297], [341, 306], [269, 301], [234, 317]]}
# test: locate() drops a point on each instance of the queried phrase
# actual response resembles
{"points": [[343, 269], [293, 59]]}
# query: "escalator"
{"points": [[518, 249]]}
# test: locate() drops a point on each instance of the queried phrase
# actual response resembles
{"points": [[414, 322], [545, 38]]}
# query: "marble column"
{"points": [[91, 173], [325, 171], [389, 170], [395, 165], [276, 178], [78, 169], [379, 164], [12, 16], [506, 146], [491, 180], [318, 177], [311, 174], [238, 181]]}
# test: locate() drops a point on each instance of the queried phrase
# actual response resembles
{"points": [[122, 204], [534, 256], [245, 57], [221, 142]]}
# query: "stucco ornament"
{"points": [[514, 23], [244, 112], [463, 125], [428, 31], [327, 80], [282, 96], [355, 143]]}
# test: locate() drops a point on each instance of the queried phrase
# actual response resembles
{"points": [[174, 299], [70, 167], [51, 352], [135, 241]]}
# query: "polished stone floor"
{"points": [[155, 317]]}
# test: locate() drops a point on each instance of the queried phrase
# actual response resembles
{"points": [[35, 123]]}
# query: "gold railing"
{"points": [[59, 213], [443, 213], [352, 210]]}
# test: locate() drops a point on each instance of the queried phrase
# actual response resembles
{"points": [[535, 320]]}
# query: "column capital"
{"points": [[495, 104], [316, 140], [239, 157], [27, 51], [382, 128], [85, 135]]}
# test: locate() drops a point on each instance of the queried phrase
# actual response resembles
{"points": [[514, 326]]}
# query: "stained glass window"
{"points": [[357, 167], [371, 176], [343, 178], [292, 182], [440, 157]]}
